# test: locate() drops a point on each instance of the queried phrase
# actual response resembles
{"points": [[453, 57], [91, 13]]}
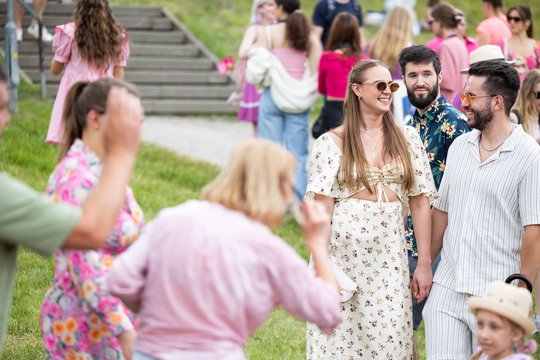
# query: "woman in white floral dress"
{"points": [[368, 171]]}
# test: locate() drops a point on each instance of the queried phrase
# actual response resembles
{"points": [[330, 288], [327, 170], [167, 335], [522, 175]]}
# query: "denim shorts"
{"points": [[418, 307]]}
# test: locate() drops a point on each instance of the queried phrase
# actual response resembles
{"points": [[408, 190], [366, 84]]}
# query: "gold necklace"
{"points": [[495, 148], [372, 132], [374, 149]]}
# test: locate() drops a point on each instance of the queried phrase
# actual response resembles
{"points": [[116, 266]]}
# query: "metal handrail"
{"points": [[12, 55]]}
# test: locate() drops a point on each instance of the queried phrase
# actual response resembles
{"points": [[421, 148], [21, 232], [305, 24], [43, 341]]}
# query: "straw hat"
{"points": [[486, 52], [511, 302]]}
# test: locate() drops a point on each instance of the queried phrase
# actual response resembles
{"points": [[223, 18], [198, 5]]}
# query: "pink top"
{"points": [[293, 61], [207, 277], [434, 44], [334, 71], [454, 57], [75, 69], [496, 27], [522, 65]]}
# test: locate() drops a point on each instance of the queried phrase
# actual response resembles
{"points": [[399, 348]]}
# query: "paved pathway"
{"points": [[209, 140]]}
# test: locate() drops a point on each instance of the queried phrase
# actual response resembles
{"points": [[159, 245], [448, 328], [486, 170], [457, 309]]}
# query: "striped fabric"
{"points": [[488, 205], [449, 325]]}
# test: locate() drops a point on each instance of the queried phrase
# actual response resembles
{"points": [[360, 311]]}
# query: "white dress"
{"points": [[368, 244]]}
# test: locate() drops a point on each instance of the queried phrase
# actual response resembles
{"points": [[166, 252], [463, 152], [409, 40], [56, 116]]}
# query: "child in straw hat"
{"points": [[503, 322]]}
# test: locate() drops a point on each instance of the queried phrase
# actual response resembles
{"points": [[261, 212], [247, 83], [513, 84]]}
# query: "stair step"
{"points": [[152, 77], [29, 61], [67, 9], [183, 50], [172, 92], [130, 23], [187, 107], [137, 36]]}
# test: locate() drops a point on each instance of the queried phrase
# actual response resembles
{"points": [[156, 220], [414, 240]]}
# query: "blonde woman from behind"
{"points": [[207, 273]]}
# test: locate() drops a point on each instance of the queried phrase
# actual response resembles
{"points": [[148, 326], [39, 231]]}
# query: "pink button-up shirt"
{"points": [[207, 277]]}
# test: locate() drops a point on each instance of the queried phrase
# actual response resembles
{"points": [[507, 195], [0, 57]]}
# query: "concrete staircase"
{"points": [[174, 72]]}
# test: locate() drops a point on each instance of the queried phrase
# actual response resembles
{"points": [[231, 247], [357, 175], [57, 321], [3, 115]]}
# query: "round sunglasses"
{"points": [[382, 85]]}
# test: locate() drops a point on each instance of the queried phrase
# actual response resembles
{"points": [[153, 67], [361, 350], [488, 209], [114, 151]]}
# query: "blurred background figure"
{"points": [[343, 51], [494, 28], [326, 10], [521, 46], [246, 94], [526, 112], [452, 52], [80, 52], [207, 273], [33, 29]]}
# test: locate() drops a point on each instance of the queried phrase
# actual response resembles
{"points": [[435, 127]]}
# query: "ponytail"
{"points": [[447, 15], [74, 121], [80, 100], [297, 27]]}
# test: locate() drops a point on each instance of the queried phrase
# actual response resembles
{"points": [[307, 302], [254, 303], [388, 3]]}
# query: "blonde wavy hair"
{"points": [[254, 181], [395, 34], [525, 101], [354, 164]]}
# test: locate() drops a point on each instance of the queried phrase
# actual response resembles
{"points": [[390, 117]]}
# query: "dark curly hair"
{"points": [[98, 35], [297, 27]]}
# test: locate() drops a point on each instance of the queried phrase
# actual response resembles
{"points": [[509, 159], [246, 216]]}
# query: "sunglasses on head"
{"points": [[513, 18], [382, 85]]}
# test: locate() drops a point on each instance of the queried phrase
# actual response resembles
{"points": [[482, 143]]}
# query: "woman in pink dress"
{"points": [[91, 47], [79, 318], [262, 14]]}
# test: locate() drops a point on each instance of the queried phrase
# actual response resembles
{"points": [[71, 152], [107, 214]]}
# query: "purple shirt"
{"points": [[208, 277]]}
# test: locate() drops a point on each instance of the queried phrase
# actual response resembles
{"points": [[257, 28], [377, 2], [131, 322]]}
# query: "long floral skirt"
{"points": [[368, 244]]}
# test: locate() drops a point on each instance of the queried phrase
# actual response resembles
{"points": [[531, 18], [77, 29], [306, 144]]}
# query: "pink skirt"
{"points": [[249, 106]]}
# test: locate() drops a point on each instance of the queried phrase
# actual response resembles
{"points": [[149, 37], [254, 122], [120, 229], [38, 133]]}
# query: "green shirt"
{"points": [[30, 220]]}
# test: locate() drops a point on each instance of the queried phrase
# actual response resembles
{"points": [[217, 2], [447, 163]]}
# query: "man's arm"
{"points": [[530, 252], [439, 222]]}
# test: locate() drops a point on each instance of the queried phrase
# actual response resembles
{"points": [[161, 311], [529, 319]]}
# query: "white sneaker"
{"points": [[19, 34], [33, 30]]}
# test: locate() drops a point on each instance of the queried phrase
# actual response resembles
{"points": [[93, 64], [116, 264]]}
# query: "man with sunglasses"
{"points": [[487, 217], [437, 122]]}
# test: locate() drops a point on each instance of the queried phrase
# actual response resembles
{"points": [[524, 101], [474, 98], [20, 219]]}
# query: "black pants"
{"points": [[331, 116]]}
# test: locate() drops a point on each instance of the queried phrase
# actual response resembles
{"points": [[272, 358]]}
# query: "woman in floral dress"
{"points": [[367, 171], [79, 319]]}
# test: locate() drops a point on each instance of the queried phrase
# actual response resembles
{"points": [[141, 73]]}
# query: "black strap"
{"points": [[521, 277]]}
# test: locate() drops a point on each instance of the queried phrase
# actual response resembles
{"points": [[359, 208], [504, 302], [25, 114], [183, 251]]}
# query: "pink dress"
{"points": [[79, 318], [522, 65], [207, 277], [75, 69]]}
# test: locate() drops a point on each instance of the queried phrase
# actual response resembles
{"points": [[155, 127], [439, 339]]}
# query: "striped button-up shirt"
{"points": [[488, 204]]}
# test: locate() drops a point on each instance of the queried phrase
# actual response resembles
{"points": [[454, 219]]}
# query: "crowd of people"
{"points": [[403, 221]]}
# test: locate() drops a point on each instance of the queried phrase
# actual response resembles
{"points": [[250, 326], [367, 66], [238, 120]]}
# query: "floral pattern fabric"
{"points": [[368, 244], [79, 319], [440, 125]]}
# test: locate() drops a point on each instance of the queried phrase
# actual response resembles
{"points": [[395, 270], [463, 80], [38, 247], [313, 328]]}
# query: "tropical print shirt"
{"points": [[440, 125]]}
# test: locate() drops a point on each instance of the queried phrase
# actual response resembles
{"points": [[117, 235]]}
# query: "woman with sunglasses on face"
{"points": [[521, 47], [366, 171]]}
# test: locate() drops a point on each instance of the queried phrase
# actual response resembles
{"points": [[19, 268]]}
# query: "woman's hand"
{"points": [[127, 342], [421, 283], [315, 225]]}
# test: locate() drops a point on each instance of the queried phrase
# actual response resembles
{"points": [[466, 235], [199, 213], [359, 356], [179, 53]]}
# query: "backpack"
{"points": [[332, 8]]}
